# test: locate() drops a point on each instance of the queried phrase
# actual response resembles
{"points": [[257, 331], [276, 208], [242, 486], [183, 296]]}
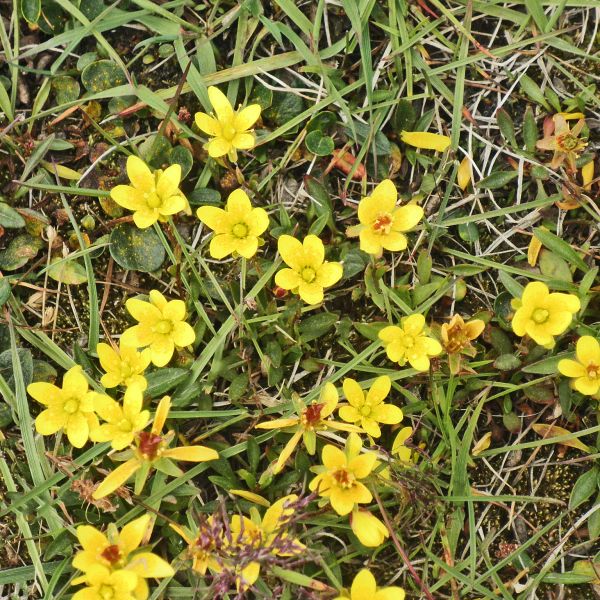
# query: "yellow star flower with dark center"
{"points": [[409, 342], [151, 451], [311, 419], [124, 366], [152, 196], [457, 337], [161, 327], [122, 422], [338, 479], [309, 272], [116, 551], [369, 410], [564, 142], [382, 223], [542, 315], [71, 407], [237, 228], [364, 587], [585, 371], [230, 130], [203, 545]]}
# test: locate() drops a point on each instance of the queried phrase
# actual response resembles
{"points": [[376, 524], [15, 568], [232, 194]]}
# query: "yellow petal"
{"points": [[463, 175], [145, 218], [218, 147], [588, 350], [147, 564], [162, 349], [353, 393], [533, 251], [208, 124], [311, 293], [407, 217], [333, 457], [142, 311], [291, 250], [329, 398], [183, 334], [162, 411], [329, 274], [380, 389], [191, 453], [116, 479], [287, 279], [251, 496], [222, 245], [74, 382], [214, 218], [425, 140], [314, 251], [140, 174], [168, 182], [571, 368], [258, 221], [90, 538], [244, 141], [287, 451], [587, 175], [246, 117], [78, 430], [368, 529], [413, 324], [246, 247], [482, 444], [364, 585], [44, 392], [220, 104]]}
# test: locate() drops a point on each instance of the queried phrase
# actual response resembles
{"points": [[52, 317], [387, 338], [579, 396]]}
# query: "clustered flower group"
{"points": [[111, 562]]}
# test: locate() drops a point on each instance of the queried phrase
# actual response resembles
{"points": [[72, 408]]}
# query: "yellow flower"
{"points": [[237, 228], [151, 450], [262, 533], [104, 583], [564, 142], [203, 545], [425, 140], [310, 420], [309, 272], [542, 315], [364, 587], [124, 366], [382, 223], [338, 480], [368, 411], [458, 335], [70, 408], [404, 453], [122, 422], [152, 196], [116, 551], [585, 371], [370, 531], [230, 130], [409, 343], [161, 327]]}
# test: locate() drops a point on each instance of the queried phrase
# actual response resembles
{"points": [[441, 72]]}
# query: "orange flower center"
{"points": [[540, 315], [308, 274], [112, 554], [163, 327], [567, 142], [311, 415], [149, 444], [240, 230], [71, 406], [343, 478], [593, 371], [383, 223]]}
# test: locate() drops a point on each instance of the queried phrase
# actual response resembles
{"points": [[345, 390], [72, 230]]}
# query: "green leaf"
{"points": [[19, 252], [584, 487], [238, 387], [69, 272], [546, 366], [66, 89], [497, 180], [355, 261], [285, 107], [530, 131], [102, 75], [533, 90], [322, 121], [507, 127], [201, 196], [560, 247], [594, 523], [136, 249], [319, 144], [9, 217], [181, 156], [31, 9], [380, 145], [316, 326], [163, 380], [5, 290], [554, 266], [507, 362], [7, 370], [514, 288]]}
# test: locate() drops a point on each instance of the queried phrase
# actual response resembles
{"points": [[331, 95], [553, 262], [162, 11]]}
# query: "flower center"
{"points": [[593, 371], [163, 327], [408, 341], [112, 554], [540, 315], [343, 478], [149, 444], [240, 230], [106, 592], [152, 200], [71, 406], [228, 132], [311, 415], [567, 142], [124, 425], [365, 410], [308, 274], [383, 223]]}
